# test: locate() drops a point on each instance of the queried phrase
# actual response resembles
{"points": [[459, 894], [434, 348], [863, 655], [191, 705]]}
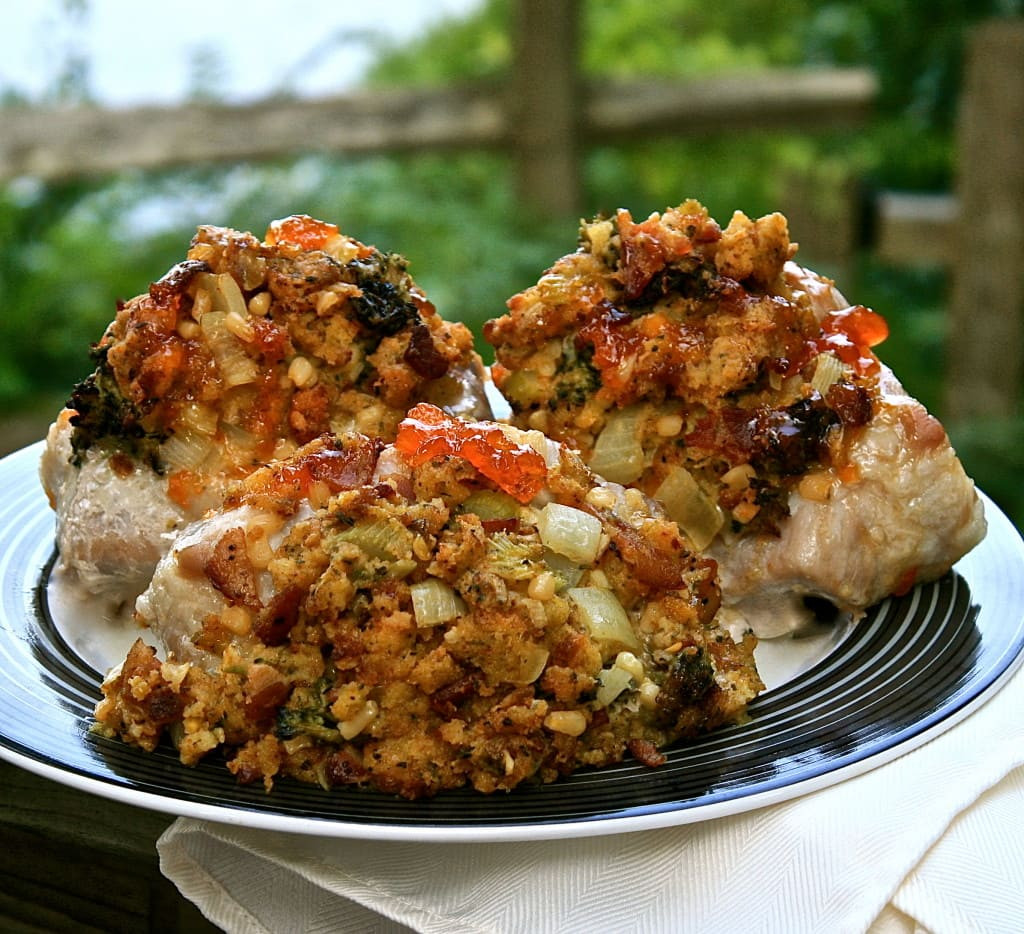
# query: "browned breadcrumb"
{"points": [[347, 684], [249, 348], [695, 348]]}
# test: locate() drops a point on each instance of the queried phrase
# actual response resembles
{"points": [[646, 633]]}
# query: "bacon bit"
{"points": [[158, 703], [341, 469], [231, 571], [646, 753], [277, 619], [647, 248], [265, 690], [661, 569], [446, 700], [122, 464], [169, 288], [422, 354], [302, 231], [344, 767], [500, 525], [850, 334], [905, 583], [427, 432]]}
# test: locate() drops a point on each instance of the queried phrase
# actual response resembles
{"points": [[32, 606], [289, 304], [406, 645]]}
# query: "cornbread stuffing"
{"points": [[708, 369], [242, 352], [468, 605]]}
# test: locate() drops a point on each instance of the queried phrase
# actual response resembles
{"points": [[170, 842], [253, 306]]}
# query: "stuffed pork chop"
{"points": [[240, 353], [470, 605], [710, 370]]}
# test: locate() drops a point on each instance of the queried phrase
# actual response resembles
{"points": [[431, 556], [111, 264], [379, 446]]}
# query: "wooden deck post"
{"points": [[544, 107], [986, 339]]}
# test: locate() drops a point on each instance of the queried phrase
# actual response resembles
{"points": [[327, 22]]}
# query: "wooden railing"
{"points": [[544, 116]]}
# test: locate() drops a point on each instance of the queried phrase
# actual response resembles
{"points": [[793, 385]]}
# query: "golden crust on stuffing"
{"points": [[422, 640], [670, 344], [249, 348]]}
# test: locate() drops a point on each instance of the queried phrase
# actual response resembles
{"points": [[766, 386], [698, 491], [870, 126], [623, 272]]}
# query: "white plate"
{"points": [[914, 667]]}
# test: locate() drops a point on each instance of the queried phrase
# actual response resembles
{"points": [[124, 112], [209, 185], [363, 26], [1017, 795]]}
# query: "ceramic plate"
{"points": [[838, 704]]}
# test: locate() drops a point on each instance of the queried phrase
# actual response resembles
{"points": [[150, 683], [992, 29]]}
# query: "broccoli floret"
{"points": [[576, 379], [104, 416], [384, 307], [306, 721], [310, 715]]}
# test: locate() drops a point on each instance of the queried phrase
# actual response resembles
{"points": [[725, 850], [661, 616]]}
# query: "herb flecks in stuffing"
{"points": [[673, 343], [447, 631]]}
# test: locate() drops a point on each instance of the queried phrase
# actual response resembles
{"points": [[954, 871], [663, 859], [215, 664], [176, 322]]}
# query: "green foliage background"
{"points": [[70, 251]]}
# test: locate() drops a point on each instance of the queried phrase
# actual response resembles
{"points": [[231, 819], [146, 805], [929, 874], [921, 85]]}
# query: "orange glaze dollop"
{"points": [[850, 334], [428, 432], [302, 230]]}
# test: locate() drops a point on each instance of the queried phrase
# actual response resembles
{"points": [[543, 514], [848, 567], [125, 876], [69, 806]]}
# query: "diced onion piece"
{"points": [[527, 665], [240, 327], [611, 683], [828, 369], [252, 269], [434, 602], [198, 417], [567, 572], [225, 294], [570, 532], [618, 455], [207, 282], [690, 507], [235, 365], [185, 450], [402, 568], [605, 620], [241, 442], [230, 295]]}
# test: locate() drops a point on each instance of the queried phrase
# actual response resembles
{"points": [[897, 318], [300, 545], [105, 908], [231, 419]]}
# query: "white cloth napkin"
{"points": [[930, 842]]}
